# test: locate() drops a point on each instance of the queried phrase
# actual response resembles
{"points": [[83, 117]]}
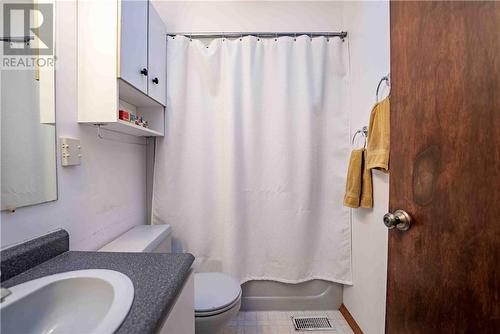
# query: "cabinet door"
{"points": [[181, 320], [157, 87], [133, 64]]}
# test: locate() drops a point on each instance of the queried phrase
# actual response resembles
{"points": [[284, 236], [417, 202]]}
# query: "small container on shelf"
{"points": [[133, 118], [141, 121], [124, 115]]}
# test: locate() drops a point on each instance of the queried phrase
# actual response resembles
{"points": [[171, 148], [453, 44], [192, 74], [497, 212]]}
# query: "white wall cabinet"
{"points": [[121, 65], [134, 44], [157, 56]]}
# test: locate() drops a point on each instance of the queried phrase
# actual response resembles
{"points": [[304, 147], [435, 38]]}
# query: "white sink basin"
{"points": [[83, 301]]}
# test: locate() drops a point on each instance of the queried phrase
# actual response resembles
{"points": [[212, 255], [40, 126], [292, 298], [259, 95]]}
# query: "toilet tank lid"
{"points": [[141, 238]]}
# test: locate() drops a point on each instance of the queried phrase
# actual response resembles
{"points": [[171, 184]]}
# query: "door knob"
{"points": [[144, 71], [155, 81], [400, 219]]}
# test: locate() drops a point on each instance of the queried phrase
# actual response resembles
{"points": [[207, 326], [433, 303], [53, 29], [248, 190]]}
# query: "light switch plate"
{"points": [[71, 151]]}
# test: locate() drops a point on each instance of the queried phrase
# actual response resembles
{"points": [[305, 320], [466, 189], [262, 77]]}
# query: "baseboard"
{"points": [[350, 320]]}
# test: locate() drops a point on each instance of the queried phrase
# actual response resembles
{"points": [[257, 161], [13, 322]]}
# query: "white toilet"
{"points": [[217, 299], [217, 295]]}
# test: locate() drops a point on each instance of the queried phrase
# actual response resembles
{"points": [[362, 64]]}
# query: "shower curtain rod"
{"points": [[342, 34]]}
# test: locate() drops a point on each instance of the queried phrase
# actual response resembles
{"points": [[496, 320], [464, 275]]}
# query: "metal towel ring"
{"points": [[364, 132], [387, 80]]}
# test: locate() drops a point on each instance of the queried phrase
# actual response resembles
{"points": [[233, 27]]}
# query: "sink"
{"points": [[84, 301]]}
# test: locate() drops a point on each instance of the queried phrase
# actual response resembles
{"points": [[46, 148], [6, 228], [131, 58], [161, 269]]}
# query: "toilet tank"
{"points": [[142, 238]]}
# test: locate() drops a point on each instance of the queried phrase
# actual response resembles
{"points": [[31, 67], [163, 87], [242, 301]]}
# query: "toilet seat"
{"points": [[215, 293], [199, 314]]}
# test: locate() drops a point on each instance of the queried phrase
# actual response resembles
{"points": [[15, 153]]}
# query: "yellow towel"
{"points": [[358, 189], [353, 184], [366, 185], [379, 136]]}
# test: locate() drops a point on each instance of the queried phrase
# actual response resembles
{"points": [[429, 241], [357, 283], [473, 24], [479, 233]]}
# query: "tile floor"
{"points": [[279, 322]]}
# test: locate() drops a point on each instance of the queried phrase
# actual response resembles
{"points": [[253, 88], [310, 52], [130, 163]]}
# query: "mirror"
{"points": [[28, 129]]}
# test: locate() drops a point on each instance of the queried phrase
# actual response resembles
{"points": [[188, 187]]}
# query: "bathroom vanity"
{"points": [[163, 284]]}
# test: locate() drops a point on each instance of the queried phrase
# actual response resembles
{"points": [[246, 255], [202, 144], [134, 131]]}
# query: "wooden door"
{"points": [[134, 43], [157, 55], [444, 272]]}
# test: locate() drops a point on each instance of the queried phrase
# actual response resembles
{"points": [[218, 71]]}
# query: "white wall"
{"points": [[368, 27], [255, 16], [106, 194]]}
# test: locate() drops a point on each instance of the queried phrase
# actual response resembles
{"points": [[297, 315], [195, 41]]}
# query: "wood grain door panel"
{"points": [[444, 273]]}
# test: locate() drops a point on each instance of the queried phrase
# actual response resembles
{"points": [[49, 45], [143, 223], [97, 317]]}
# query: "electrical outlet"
{"points": [[71, 151]]}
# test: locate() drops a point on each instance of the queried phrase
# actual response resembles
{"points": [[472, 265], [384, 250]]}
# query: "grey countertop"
{"points": [[157, 277]]}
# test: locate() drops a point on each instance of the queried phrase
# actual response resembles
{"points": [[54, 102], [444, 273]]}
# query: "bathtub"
{"points": [[272, 295]]}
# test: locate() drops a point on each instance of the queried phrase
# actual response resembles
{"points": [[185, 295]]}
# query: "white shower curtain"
{"points": [[251, 171]]}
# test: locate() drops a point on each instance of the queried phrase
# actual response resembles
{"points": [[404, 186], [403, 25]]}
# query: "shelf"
{"points": [[132, 95], [131, 129]]}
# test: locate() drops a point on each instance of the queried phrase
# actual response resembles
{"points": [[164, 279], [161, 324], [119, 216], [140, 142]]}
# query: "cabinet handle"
{"points": [[144, 71], [155, 81]]}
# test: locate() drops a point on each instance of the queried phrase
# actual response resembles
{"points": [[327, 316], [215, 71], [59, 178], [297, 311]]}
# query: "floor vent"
{"points": [[312, 324]]}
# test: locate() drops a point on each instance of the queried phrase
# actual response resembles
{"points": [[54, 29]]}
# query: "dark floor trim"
{"points": [[350, 320]]}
